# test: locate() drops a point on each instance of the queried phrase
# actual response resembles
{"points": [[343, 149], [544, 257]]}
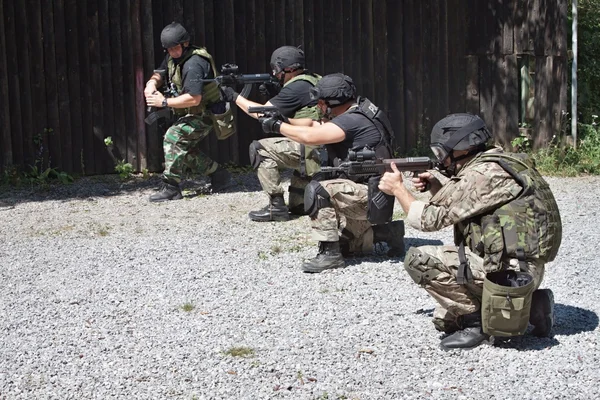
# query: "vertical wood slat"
{"points": [[428, 50], [97, 88], [6, 153], [456, 47], [413, 77], [380, 54], [472, 80], [138, 83], [63, 86], [395, 96], [505, 99], [118, 103], [367, 78], [86, 157], [129, 96], [153, 138], [38, 111], [23, 75], [543, 69], [487, 65], [74, 79], [51, 84]]}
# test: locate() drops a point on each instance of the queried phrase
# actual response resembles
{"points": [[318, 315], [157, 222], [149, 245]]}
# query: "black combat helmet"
{"points": [[458, 132], [334, 89], [287, 57], [173, 34]]}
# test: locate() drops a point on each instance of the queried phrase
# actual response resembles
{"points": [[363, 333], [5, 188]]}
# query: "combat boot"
{"points": [[329, 257], [542, 312], [220, 180], [169, 191], [393, 234], [275, 211], [469, 336]]}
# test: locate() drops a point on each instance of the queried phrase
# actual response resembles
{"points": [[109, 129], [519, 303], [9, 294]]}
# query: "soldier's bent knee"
{"points": [[420, 267], [315, 198]]}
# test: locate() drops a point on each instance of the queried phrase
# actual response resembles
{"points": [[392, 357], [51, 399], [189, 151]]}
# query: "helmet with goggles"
{"points": [[458, 132], [334, 89]]}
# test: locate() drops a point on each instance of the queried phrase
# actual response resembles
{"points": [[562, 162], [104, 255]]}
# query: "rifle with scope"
{"points": [[365, 163]]}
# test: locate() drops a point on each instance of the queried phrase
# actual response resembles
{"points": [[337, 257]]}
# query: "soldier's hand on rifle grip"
{"points": [[228, 94], [423, 181]]}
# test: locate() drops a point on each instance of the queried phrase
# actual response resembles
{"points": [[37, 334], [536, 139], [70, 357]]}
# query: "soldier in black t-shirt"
{"points": [[268, 155], [337, 205]]}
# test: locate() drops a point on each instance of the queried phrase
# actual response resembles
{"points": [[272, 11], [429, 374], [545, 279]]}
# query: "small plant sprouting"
{"points": [[188, 307], [242, 351]]}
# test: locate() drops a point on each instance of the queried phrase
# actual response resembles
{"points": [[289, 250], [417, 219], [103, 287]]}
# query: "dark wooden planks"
{"points": [[395, 74], [6, 154]]}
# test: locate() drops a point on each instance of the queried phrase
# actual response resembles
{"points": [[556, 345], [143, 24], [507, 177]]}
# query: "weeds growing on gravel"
{"points": [[242, 351], [188, 307]]}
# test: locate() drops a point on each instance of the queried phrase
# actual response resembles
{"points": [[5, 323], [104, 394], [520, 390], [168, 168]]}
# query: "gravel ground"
{"points": [[105, 295]]}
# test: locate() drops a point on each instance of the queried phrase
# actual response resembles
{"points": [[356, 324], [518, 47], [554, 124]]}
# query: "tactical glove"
{"points": [[269, 89], [228, 94], [270, 124]]}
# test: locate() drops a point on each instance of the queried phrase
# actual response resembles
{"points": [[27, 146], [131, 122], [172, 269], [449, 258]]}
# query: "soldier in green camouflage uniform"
{"points": [[270, 155], [503, 213], [184, 68]]}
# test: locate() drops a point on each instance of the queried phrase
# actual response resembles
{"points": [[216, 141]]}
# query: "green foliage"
{"points": [[124, 169], [588, 63], [243, 352], [562, 159]]}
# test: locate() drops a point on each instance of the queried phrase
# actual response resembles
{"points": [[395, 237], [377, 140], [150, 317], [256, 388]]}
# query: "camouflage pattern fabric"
{"points": [[349, 211], [474, 191], [434, 268], [181, 146], [280, 153]]}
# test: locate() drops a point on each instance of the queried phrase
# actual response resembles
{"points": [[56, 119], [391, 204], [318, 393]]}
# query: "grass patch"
{"points": [[188, 307], [242, 351]]}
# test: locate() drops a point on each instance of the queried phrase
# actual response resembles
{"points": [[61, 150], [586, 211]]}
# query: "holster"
{"points": [[506, 302], [380, 207]]}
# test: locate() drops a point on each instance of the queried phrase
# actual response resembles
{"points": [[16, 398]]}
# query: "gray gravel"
{"points": [[104, 295]]}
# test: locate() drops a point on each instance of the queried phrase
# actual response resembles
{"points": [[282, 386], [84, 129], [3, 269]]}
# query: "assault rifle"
{"points": [[230, 76], [365, 163], [267, 112]]}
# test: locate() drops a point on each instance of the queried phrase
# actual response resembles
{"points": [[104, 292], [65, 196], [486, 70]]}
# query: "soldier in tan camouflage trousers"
{"points": [[481, 181]]}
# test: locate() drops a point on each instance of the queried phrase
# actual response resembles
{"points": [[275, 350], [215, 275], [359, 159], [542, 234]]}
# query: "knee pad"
{"points": [[255, 157], [315, 198], [420, 267]]}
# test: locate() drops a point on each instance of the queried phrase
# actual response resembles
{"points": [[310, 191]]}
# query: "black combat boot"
{"points": [[542, 312], [393, 234], [275, 211], [329, 257], [169, 191], [220, 180], [469, 336]]}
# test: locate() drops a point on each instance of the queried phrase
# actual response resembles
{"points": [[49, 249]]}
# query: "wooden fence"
{"points": [[72, 72]]}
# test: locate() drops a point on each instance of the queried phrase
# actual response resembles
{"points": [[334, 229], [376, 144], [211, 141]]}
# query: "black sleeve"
{"points": [[194, 71], [293, 97]]}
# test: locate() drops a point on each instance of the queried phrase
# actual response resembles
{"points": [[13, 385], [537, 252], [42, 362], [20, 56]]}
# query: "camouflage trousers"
{"points": [[435, 269], [182, 148], [280, 153], [348, 213]]}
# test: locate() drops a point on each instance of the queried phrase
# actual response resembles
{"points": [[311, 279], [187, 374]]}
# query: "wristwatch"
{"points": [[164, 102]]}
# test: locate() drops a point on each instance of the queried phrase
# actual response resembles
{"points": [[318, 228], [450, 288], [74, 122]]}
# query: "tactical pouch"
{"points": [[223, 123], [380, 206], [506, 302]]}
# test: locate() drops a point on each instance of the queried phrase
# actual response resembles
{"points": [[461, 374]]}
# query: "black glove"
{"points": [[269, 89], [270, 124], [228, 94]]}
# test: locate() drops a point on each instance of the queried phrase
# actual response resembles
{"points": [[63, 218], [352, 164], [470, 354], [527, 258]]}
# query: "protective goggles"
{"points": [[440, 151]]}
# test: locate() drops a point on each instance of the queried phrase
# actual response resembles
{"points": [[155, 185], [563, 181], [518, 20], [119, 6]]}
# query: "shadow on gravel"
{"points": [[113, 185], [569, 320], [380, 255]]}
